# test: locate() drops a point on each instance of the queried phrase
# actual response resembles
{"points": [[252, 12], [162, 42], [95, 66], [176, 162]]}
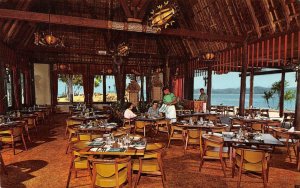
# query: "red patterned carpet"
{"points": [[46, 165]]}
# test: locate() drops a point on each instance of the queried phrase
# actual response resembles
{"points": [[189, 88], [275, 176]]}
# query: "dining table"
{"points": [[198, 114], [103, 127], [89, 118], [100, 146]]}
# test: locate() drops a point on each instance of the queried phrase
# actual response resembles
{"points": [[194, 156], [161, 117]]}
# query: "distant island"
{"points": [[257, 90]]}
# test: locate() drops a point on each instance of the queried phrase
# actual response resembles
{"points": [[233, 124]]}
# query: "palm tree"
{"points": [[267, 96]]}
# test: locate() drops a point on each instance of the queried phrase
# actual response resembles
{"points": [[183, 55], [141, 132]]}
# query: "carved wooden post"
{"points": [[209, 86], [251, 88], [297, 106], [281, 99], [3, 97], [243, 81]]}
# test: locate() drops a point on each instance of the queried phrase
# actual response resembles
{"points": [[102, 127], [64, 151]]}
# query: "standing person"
{"points": [[128, 114], [203, 96], [170, 100]]}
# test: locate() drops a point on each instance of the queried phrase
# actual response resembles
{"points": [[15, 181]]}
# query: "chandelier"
{"points": [[163, 15], [208, 56], [47, 38]]}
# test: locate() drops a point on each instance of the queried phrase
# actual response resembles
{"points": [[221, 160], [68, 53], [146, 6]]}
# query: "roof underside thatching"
{"points": [[201, 26]]}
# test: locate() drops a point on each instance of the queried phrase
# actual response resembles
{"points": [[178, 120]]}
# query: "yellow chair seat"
{"points": [[5, 132], [111, 181], [149, 165], [7, 138], [154, 146], [81, 163], [214, 152]]}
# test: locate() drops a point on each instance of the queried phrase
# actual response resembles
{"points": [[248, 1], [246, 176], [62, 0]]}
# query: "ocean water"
{"points": [[258, 101]]}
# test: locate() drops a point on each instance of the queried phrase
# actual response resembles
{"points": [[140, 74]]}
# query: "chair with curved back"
{"points": [[163, 126], [30, 124], [140, 126], [236, 124], [13, 135], [151, 163], [264, 113], [214, 149], [69, 124], [214, 118], [128, 124], [176, 133], [251, 161], [193, 137], [78, 163], [111, 173], [257, 127], [287, 139]]}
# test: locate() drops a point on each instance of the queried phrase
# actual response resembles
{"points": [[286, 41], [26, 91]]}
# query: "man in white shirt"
{"points": [[128, 114]]}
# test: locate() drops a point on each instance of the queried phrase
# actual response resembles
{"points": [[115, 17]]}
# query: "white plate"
{"points": [[139, 147]]}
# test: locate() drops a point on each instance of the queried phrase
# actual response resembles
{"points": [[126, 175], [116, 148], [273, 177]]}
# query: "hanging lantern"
{"points": [[123, 49], [208, 56]]}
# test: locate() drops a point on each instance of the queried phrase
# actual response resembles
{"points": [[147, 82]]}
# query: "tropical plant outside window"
{"points": [[9, 87], [111, 92], [22, 88], [98, 88], [70, 88]]}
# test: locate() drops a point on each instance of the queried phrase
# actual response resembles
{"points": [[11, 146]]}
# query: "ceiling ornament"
{"points": [[47, 38], [123, 49], [163, 16]]}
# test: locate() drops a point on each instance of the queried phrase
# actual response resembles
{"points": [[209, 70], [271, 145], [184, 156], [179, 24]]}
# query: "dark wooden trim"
{"points": [[243, 81], [107, 24], [104, 88], [297, 105], [270, 72], [251, 89], [209, 86], [281, 98]]}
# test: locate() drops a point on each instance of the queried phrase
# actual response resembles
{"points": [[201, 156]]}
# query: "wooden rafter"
{"points": [[254, 18], [105, 24], [269, 15], [286, 13], [126, 9]]}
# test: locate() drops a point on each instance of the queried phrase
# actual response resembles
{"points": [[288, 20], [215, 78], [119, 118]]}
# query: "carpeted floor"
{"points": [[45, 164]]}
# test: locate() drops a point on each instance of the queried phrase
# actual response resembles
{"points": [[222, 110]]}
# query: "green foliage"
{"points": [[276, 87], [98, 80], [290, 95], [267, 96]]}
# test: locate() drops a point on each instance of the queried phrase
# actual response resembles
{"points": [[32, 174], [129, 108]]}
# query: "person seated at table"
{"points": [[203, 96], [153, 110], [128, 114]]}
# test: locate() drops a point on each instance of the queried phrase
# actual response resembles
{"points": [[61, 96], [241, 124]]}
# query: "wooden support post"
{"points": [[3, 96], [297, 106], [209, 86], [281, 99], [148, 88], [243, 81], [251, 89], [166, 74], [104, 88], [188, 84], [142, 99]]}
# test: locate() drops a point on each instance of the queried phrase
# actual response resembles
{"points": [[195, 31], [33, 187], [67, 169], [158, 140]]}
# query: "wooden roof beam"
{"points": [[269, 15], [286, 13], [105, 24], [254, 18]]}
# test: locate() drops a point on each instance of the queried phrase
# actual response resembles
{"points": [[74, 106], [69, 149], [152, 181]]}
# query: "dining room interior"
{"points": [[149, 93]]}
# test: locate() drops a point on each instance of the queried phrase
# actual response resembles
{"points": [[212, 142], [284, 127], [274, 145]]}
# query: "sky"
{"points": [[232, 80]]}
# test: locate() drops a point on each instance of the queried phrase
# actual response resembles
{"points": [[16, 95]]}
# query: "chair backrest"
{"points": [[194, 133], [84, 136], [107, 168], [17, 131], [215, 119], [264, 112], [219, 129], [257, 126], [140, 124], [154, 146], [163, 122], [72, 122], [250, 155], [213, 141], [30, 120], [236, 122]]}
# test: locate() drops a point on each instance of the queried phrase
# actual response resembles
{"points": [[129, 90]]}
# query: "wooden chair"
{"points": [[69, 125], [264, 113], [163, 126], [213, 108], [140, 126], [111, 173], [176, 133], [298, 156], [289, 142], [214, 149], [236, 124], [40, 116], [128, 124], [215, 119], [151, 163], [30, 124], [193, 137], [257, 127], [12, 136], [252, 161], [78, 163]]}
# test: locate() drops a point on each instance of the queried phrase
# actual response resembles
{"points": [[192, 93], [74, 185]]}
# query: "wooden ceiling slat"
{"points": [[270, 20], [254, 18]]}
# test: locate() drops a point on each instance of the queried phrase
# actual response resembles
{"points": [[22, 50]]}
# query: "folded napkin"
{"points": [[116, 150]]}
